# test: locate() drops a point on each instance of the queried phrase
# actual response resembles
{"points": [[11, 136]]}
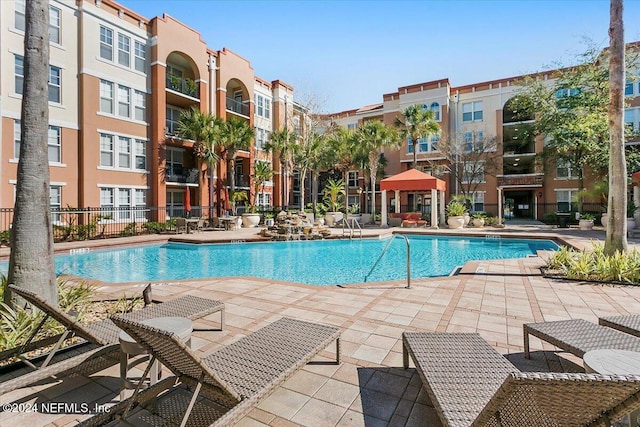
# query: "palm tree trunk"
{"points": [[231, 178], [31, 260], [303, 176], [616, 239]]}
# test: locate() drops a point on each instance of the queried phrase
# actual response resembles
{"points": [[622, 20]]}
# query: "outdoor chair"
{"points": [[226, 384], [471, 384], [629, 324], [103, 348], [578, 336], [181, 225]]}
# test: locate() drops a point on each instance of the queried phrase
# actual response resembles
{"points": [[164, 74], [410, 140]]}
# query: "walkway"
{"points": [[370, 388]]}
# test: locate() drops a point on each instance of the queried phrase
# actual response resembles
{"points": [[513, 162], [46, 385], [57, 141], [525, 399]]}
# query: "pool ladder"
{"points": [[406, 240], [351, 228]]}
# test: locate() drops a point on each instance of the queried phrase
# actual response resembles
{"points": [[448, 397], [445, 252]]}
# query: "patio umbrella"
{"points": [[227, 205], [187, 201]]}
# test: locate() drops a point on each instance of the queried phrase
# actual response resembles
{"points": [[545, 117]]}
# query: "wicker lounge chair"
{"points": [[577, 336], [629, 324], [471, 384], [228, 383], [103, 348]]}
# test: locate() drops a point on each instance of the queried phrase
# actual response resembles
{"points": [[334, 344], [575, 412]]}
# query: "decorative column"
{"points": [[499, 205], [397, 196], [383, 214], [442, 208], [636, 195], [434, 208]]}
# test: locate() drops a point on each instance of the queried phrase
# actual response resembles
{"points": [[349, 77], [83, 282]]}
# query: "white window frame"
{"points": [[55, 84], [106, 42], [125, 153], [107, 95], [259, 105], [54, 144], [140, 56], [634, 115], [352, 179], [18, 72], [171, 122], [55, 203], [474, 110], [267, 108], [55, 25], [478, 176], [139, 106], [565, 191], [124, 50], [477, 198], [107, 150], [437, 109], [124, 101], [264, 199], [17, 139], [19, 15], [564, 164], [140, 154]]}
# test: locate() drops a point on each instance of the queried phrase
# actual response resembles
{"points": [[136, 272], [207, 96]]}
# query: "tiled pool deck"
{"points": [[369, 388]]}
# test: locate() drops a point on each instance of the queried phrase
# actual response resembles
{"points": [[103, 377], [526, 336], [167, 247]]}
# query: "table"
{"points": [[228, 221], [190, 221], [181, 326], [614, 362]]}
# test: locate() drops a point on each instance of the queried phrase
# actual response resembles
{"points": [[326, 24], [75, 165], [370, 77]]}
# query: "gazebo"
{"points": [[415, 181]]}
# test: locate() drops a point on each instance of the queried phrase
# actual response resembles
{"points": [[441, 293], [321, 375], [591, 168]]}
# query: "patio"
{"points": [[369, 388]]}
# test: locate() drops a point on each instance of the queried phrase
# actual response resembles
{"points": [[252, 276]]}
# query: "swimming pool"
{"points": [[321, 262]]}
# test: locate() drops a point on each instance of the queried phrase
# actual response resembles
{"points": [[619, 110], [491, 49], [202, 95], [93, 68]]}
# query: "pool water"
{"points": [[321, 262]]}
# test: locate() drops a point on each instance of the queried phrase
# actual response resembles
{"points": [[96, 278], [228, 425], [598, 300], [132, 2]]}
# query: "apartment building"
{"points": [[479, 115], [118, 84]]}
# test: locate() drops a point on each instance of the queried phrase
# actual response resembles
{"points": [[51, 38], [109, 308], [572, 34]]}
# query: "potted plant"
{"points": [[268, 219], [455, 214], [478, 220], [262, 173], [354, 212], [334, 193], [586, 221]]}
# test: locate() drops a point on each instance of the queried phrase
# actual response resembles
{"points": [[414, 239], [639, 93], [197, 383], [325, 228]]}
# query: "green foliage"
{"points": [[157, 227], [130, 229], [587, 216], [261, 172], [455, 208], [550, 218], [354, 209], [74, 298], [631, 208], [125, 305], [334, 193], [479, 216], [5, 237]]}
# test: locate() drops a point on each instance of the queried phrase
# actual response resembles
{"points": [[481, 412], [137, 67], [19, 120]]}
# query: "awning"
{"points": [[412, 180]]}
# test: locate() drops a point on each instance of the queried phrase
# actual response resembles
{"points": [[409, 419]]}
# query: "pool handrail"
{"points": [[375, 264]]}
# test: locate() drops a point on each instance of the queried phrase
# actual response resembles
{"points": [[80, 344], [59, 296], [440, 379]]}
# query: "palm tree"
{"points": [[31, 261], [261, 172], [372, 137], [283, 143], [235, 134], [308, 158], [341, 151], [416, 123], [203, 128]]}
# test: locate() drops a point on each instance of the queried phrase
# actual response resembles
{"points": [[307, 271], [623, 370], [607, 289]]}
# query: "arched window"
{"points": [[435, 107]]}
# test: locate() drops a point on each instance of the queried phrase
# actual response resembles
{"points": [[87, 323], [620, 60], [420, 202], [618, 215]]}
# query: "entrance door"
{"points": [[518, 204]]}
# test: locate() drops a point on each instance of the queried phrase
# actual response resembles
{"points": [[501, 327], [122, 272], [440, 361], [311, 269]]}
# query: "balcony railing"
{"points": [[237, 107], [183, 85], [181, 175], [524, 179], [242, 181]]}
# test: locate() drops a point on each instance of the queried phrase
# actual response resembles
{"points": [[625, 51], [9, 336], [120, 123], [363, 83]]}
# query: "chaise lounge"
{"points": [[471, 384], [103, 349], [228, 383], [629, 324], [578, 336]]}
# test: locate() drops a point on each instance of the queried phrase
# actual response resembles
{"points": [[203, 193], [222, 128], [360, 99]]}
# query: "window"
{"points": [[140, 55], [140, 105], [262, 136], [174, 163], [20, 21], [567, 92], [107, 201], [124, 99], [54, 84], [352, 126], [352, 177], [140, 201], [264, 199], [106, 150], [267, 108], [632, 119], [106, 43], [565, 170], [106, 97], [472, 111], [140, 151], [55, 202], [435, 139], [54, 25], [423, 145], [54, 145], [563, 200], [628, 88], [124, 204], [16, 139], [467, 140], [478, 201], [124, 152], [435, 107], [19, 74], [259, 105], [173, 116], [124, 50], [473, 172]]}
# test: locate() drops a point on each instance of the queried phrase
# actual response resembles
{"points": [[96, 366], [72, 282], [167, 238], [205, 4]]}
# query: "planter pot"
{"points": [[603, 220], [269, 222], [478, 222], [320, 221], [467, 218], [631, 223], [332, 218], [357, 217], [585, 224], [250, 220], [455, 222], [366, 218]]}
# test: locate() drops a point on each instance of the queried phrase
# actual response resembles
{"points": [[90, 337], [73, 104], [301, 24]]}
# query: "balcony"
{"points": [[180, 175], [237, 107], [242, 181], [182, 85], [531, 179]]}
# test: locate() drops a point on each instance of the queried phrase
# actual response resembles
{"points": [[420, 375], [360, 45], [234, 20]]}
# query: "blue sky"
{"points": [[348, 53]]}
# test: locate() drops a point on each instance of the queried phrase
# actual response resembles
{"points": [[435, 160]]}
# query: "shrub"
{"points": [[156, 227], [550, 218], [455, 208]]}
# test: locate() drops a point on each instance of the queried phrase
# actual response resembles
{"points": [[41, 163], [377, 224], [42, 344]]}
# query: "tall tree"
{"points": [[306, 158], [31, 261], [235, 134], [341, 148], [415, 123], [283, 144], [261, 172], [204, 129], [372, 137], [616, 239]]}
